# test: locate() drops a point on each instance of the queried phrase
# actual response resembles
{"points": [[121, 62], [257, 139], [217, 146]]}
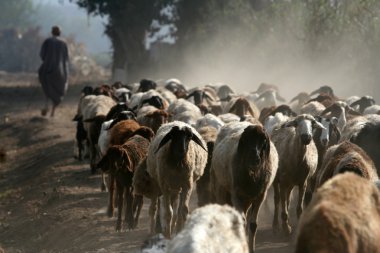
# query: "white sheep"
{"points": [[343, 216], [185, 111], [298, 157], [94, 109], [209, 120], [373, 109], [244, 165], [176, 159], [212, 228], [274, 122], [229, 117]]}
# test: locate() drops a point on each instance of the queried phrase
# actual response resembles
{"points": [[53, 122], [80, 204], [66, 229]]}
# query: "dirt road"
{"points": [[49, 201]]}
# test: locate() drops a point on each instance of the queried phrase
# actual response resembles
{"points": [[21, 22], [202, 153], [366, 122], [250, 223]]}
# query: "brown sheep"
{"points": [[343, 216], [121, 162], [152, 117], [241, 106], [344, 157], [120, 133]]}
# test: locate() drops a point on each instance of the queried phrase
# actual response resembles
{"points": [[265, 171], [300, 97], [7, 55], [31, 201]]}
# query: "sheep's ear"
{"points": [[145, 132], [77, 117], [318, 118], [292, 123], [280, 98], [206, 95], [317, 124], [167, 138], [190, 95], [334, 120], [198, 141]]}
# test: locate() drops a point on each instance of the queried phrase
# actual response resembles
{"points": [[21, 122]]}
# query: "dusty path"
{"points": [[49, 201]]}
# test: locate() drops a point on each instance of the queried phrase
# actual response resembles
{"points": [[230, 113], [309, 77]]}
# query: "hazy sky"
{"points": [[73, 21]]}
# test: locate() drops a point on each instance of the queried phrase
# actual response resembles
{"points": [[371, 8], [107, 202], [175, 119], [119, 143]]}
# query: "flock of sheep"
{"points": [[163, 141]]}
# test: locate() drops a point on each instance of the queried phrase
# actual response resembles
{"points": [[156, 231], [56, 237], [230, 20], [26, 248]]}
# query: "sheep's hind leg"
{"points": [[128, 198], [120, 189], [252, 222]]}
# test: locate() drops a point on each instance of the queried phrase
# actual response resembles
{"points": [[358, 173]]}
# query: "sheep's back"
{"points": [[343, 216]]}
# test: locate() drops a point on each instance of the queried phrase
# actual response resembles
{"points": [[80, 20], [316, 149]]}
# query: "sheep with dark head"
{"points": [[176, 159], [244, 165], [298, 161], [121, 162]]}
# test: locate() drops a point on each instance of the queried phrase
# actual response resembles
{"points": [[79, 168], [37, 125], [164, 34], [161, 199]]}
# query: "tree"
{"points": [[128, 23]]}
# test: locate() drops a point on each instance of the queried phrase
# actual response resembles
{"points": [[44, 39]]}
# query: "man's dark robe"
{"points": [[53, 73]]}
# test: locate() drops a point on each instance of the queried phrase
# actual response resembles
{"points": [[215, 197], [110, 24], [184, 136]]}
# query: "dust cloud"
{"points": [[281, 58]]}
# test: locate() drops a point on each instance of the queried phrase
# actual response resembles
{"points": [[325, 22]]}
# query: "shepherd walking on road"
{"points": [[54, 71]]}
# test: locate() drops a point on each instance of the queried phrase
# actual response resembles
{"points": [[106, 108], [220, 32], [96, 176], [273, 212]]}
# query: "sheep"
{"points": [[209, 134], [152, 117], [143, 184], [167, 94], [175, 86], [212, 228], [324, 99], [121, 161], [274, 122], [373, 109], [244, 165], [324, 90], [363, 103], [344, 157], [298, 157], [94, 109], [240, 106], [185, 111], [268, 98], [229, 117], [301, 99], [368, 138], [176, 159], [117, 135], [343, 216], [313, 108], [80, 136], [268, 111], [123, 94], [146, 85], [209, 120]]}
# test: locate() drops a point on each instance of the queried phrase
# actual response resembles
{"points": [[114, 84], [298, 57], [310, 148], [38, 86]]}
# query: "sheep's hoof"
{"points": [[110, 212]]}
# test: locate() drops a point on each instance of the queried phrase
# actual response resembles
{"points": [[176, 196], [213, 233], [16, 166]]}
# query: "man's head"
{"points": [[55, 31]]}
